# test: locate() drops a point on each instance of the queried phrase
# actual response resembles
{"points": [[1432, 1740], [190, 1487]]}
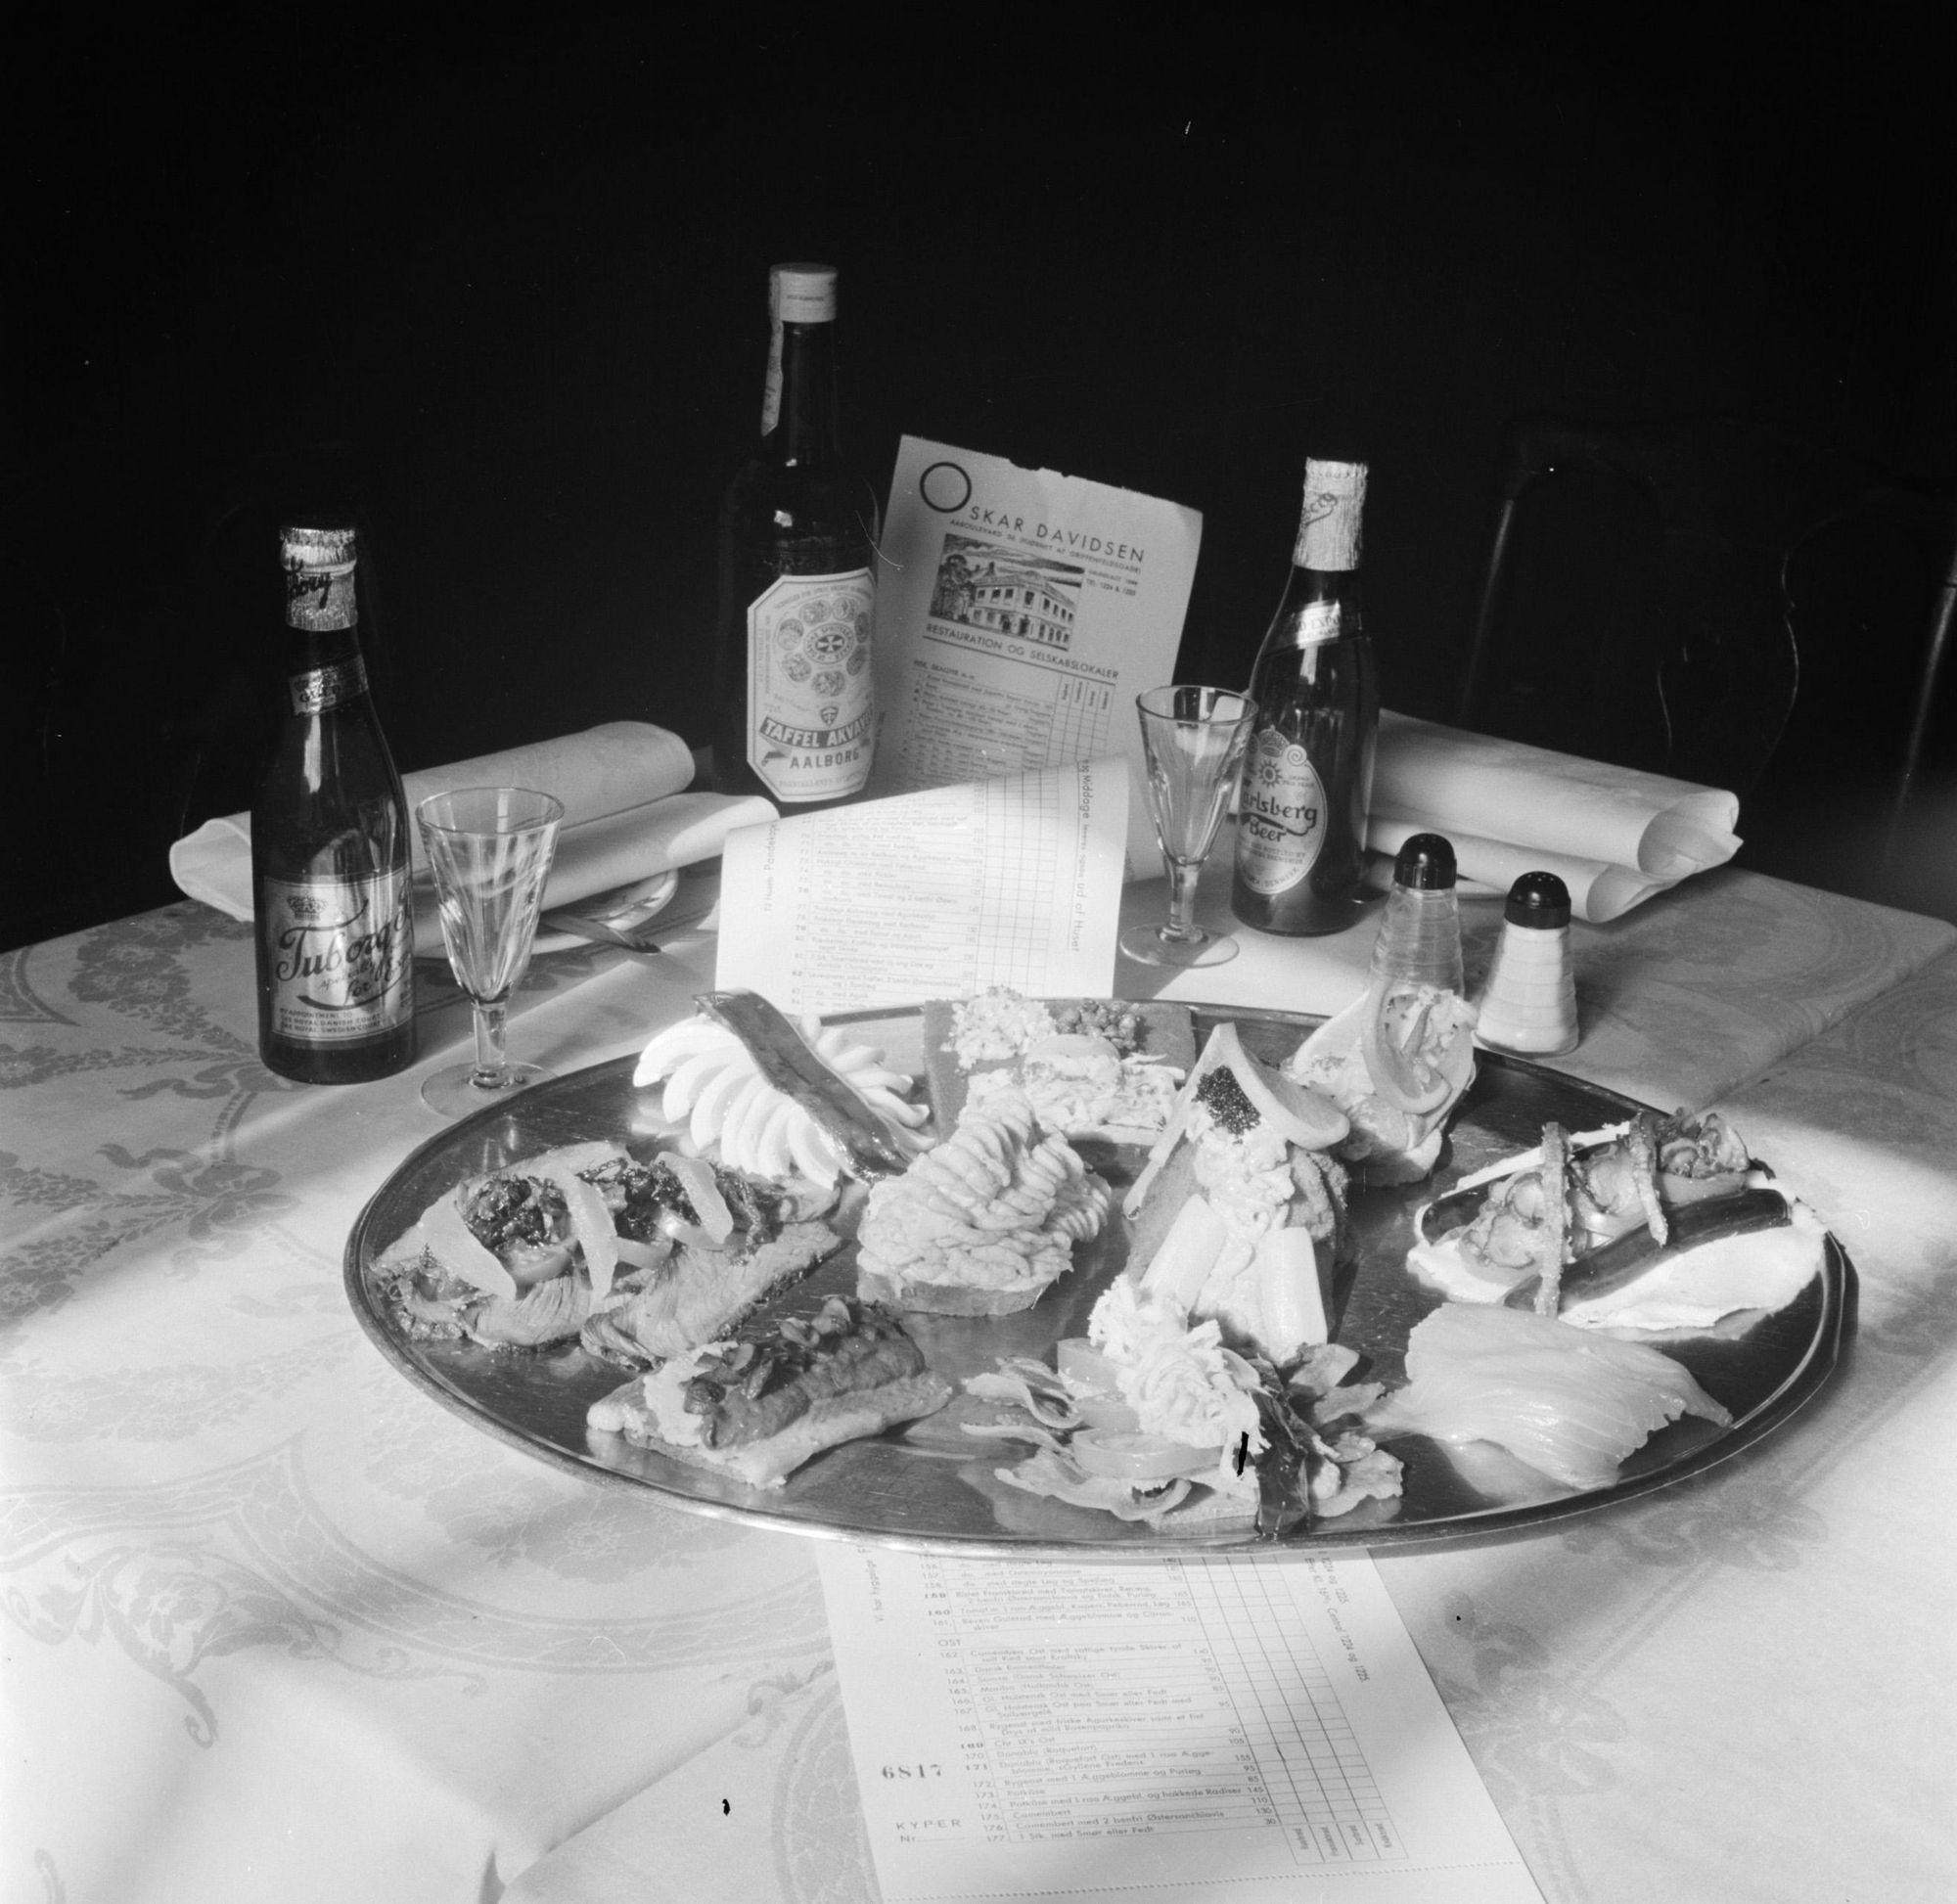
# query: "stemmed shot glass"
{"points": [[1195, 740], [490, 851]]}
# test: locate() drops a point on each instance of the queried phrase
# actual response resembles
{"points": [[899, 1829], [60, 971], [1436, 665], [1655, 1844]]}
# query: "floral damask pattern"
{"points": [[184, 1571], [1531, 1727], [1755, 1526], [822, 1852], [40, 1278], [509, 1510], [172, 1607], [219, 1204], [164, 1404], [19, 1002]]}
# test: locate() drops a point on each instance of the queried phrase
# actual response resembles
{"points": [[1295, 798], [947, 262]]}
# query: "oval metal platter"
{"points": [[931, 1486]]}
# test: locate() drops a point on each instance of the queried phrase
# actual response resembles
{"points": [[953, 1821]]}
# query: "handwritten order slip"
{"points": [[1013, 882], [1169, 1731]]}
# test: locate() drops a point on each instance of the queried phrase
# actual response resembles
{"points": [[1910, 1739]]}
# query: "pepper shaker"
{"points": [[1419, 936], [1528, 1005]]}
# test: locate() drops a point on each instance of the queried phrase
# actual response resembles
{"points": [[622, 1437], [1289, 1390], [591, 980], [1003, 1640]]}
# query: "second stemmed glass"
{"points": [[490, 851], [1195, 740]]}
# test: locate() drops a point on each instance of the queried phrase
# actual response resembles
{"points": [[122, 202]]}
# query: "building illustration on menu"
{"points": [[1004, 590]]}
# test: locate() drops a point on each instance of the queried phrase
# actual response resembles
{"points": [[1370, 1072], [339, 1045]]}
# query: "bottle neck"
{"points": [[805, 428], [322, 672], [326, 644]]}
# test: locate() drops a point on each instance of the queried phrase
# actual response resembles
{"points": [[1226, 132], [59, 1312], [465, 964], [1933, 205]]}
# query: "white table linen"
{"points": [[279, 1625]]}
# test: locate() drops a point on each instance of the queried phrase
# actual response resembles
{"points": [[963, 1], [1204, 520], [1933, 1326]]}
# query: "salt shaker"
{"points": [[1528, 1005], [1419, 936]]}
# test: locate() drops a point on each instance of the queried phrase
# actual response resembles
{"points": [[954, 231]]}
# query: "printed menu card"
{"points": [[1019, 615], [1013, 882], [1164, 1731]]}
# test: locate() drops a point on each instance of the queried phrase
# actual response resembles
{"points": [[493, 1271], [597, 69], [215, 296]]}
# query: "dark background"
{"points": [[506, 293]]}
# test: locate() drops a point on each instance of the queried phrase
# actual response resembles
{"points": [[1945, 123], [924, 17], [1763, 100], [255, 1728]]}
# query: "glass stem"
{"points": [[1182, 878], [491, 1060]]}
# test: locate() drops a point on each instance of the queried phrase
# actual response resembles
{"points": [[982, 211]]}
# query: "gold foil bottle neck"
{"points": [[1330, 521]]}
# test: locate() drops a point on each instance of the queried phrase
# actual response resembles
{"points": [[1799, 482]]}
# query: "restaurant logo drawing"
{"points": [[1004, 591]]}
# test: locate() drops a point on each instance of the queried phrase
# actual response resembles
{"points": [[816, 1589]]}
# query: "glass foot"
{"points": [[1150, 945], [455, 1093]]}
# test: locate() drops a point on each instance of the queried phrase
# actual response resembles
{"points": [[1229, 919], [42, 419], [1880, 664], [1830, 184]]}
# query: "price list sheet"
{"points": [[1012, 881], [1165, 1731]]}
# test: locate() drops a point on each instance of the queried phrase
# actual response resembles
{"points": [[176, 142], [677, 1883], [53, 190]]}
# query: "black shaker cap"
{"points": [[1539, 899], [1425, 864]]}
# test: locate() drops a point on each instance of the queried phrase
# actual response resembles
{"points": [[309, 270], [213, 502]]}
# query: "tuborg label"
{"points": [[340, 954], [809, 686], [1280, 815]]}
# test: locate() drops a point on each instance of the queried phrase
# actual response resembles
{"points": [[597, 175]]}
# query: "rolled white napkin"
{"points": [[626, 818], [1613, 834]]}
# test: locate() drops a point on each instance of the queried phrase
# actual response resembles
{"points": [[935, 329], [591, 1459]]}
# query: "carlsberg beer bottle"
{"points": [[795, 719], [334, 917], [1308, 777]]}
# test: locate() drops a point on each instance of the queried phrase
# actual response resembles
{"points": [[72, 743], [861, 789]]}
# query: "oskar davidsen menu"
{"points": [[1018, 613]]}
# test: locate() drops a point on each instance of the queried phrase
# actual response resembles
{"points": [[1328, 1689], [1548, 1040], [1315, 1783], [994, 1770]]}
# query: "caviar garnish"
{"points": [[1219, 1093]]}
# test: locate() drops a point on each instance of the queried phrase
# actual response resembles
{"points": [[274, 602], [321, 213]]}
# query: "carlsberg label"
{"points": [[1281, 815], [809, 710]]}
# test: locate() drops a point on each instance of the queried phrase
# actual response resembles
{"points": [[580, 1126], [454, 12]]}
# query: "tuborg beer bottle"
{"points": [[330, 860]]}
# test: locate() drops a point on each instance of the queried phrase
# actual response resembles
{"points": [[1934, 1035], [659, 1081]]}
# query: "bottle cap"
{"points": [[802, 294], [1425, 863], [1539, 899]]}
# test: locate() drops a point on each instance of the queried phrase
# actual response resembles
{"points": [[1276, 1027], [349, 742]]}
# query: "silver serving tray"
{"points": [[931, 1486]]}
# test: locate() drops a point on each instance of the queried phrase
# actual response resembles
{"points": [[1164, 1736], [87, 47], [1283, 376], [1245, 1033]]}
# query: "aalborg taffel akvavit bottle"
{"points": [[1309, 775], [330, 851], [793, 675]]}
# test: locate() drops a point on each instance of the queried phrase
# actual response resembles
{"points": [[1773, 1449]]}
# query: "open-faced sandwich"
{"points": [[984, 1224], [773, 1392], [638, 1258], [764, 1094], [1154, 1418], [1090, 1067], [1239, 1214], [1567, 1228], [1397, 1061]]}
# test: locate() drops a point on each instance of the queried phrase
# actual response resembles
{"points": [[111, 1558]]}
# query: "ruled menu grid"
{"points": [[1020, 855], [1154, 1733], [1186, 1699], [1322, 1790], [1078, 729]]}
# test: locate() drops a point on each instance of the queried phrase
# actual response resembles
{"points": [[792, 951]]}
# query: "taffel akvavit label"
{"points": [[809, 705], [341, 953], [1280, 815]]}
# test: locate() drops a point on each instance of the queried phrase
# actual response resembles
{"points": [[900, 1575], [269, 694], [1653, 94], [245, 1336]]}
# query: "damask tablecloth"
{"points": [[278, 1624]]}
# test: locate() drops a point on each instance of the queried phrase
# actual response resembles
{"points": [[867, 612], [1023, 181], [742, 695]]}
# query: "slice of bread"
{"points": [[767, 1463]]}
